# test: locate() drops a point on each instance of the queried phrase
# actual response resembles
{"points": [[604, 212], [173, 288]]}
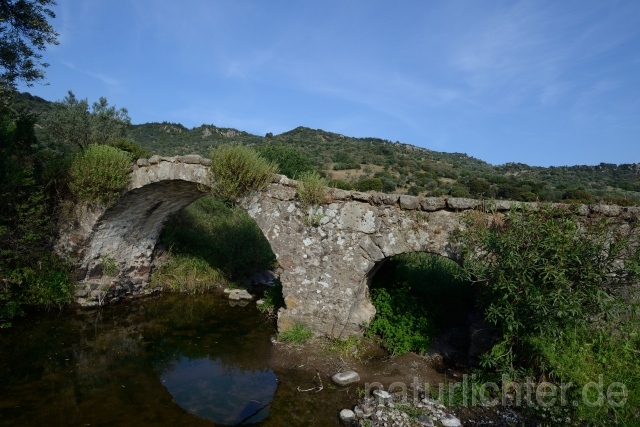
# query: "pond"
{"points": [[164, 361]]}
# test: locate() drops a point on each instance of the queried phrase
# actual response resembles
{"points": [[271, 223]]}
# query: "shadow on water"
{"points": [[169, 360]]}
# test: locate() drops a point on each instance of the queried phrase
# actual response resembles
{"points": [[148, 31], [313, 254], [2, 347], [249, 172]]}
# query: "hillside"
{"points": [[377, 164]]}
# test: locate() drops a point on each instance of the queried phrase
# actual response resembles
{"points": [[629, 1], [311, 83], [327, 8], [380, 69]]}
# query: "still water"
{"points": [[164, 361]]}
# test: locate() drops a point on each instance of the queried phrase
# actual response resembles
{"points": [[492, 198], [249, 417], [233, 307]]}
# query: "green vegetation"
{"points": [[272, 299], [226, 238], [237, 170], [296, 335], [187, 273], [24, 32], [416, 295], [311, 189], [29, 273], [70, 122], [98, 174], [291, 162], [351, 347], [555, 291]]}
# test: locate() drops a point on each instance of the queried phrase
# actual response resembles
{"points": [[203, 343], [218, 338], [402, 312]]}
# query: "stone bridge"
{"points": [[328, 254]]}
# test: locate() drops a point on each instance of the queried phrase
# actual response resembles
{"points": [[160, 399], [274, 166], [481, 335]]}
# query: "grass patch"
{"points": [[185, 273], [98, 174], [272, 299], [350, 347], [237, 170], [311, 188], [296, 335], [226, 238]]}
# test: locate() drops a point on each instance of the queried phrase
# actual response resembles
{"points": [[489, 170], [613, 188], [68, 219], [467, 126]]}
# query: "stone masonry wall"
{"points": [[328, 254]]}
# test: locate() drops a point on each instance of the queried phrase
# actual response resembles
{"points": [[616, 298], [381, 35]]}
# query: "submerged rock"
{"points": [[238, 294]]}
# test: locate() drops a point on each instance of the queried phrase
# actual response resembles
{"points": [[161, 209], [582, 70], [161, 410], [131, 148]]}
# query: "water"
{"points": [[169, 360]]}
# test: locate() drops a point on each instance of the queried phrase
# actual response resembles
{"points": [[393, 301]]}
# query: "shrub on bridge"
{"points": [[237, 170], [311, 188], [98, 174]]}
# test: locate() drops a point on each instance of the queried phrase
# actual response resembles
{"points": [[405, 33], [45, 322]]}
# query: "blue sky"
{"points": [[538, 82]]}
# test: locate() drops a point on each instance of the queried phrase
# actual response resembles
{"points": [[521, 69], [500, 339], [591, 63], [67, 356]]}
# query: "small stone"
{"points": [[142, 162], [346, 378], [238, 294], [425, 420], [347, 416], [382, 395], [448, 420]]}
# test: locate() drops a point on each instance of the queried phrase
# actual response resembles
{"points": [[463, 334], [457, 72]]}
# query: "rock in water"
{"points": [[238, 294], [346, 378]]}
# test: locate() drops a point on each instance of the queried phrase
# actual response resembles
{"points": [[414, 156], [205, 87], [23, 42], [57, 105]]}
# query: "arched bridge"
{"points": [[328, 254]]}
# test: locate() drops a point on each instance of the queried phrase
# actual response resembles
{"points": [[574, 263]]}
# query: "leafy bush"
{"points": [[130, 146], [311, 187], [291, 162], [296, 335], [189, 274], [400, 320], [236, 170], [550, 284], [98, 174], [369, 184]]}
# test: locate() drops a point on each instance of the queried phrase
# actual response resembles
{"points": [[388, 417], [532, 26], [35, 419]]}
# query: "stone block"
{"points": [[388, 199], [339, 194], [606, 210], [409, 202], [462, 203], [205, 162], [192, 159], [361, 196], [431, 204], [142, 162], [154, 159]]}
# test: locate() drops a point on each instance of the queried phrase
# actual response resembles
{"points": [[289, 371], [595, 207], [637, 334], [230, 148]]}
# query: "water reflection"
{"points": [[231, 396]]}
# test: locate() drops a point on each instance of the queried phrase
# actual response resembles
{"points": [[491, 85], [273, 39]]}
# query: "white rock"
{"points": [[347, 416], [346, 378], [450, 421]]}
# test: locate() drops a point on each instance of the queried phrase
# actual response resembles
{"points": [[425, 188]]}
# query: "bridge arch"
{"points": [[328, 254]]}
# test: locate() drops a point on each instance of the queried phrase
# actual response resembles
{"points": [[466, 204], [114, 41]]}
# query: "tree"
{"points": [[24, 32], [72, 122]]}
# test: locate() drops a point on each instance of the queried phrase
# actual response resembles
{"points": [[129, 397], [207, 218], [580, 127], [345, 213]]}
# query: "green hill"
{"points": [[374, 163]]}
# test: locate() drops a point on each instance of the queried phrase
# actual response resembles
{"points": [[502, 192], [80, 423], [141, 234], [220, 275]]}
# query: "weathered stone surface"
{"points": [[409, 202], [192, 159], [339, 194], [347, 417], [606, 210], [501, 205], [239, 294], [388, 199], [142, 162], [462, 203], [326, 267], [360, 196], [431, 204], [448, 420], [345, 378]]}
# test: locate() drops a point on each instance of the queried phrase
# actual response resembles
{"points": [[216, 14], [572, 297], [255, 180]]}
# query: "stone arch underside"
{"points": [[326, 269]]}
